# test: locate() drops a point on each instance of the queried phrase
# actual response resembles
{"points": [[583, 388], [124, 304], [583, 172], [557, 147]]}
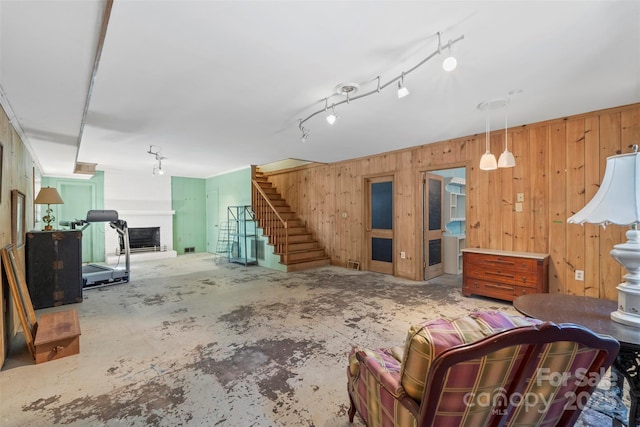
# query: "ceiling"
{"points": [[219, 85]]}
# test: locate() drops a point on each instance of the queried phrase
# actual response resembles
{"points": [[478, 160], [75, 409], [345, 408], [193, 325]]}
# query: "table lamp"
{"points": [[618, 202], [48, 196]]}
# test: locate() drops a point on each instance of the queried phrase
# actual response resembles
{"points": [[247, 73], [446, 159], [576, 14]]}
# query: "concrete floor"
{"points": [[195, 340]]}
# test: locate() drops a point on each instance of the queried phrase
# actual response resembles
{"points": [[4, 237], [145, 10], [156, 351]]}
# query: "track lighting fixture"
{"points": [[402, 89], [348, 90], [157, 169]]}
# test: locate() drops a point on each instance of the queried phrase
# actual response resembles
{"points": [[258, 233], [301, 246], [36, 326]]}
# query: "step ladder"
{"points": [[224, 243]]}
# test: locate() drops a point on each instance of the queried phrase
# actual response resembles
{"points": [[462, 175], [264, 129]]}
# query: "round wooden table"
{"points": [[594, 314]]}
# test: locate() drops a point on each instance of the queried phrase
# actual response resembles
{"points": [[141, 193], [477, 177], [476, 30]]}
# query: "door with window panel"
{"points": [[433, 191], [380, 225]]}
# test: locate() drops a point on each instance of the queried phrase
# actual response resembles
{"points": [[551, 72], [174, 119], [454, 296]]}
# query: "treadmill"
{"points": [[96, 275]]}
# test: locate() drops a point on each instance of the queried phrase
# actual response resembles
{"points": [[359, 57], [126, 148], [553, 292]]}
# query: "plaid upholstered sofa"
{"points": [[484, 369]]}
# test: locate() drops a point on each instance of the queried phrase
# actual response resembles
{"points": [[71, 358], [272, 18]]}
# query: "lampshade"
{"points": [[48, 196], [488, 162], [618, 199], [506, 159]]}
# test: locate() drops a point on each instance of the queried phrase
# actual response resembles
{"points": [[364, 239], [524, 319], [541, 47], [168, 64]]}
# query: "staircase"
{"points": [[287, 233]]}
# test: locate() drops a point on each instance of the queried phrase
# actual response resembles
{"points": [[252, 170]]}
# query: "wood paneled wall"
{"points": [[559, 166], [17, 174]]}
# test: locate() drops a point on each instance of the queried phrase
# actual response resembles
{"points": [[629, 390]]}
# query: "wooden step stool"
{"points": [[57, 336]]}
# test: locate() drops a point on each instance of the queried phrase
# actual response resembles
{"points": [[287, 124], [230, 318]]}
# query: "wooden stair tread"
{"points": [[302, 261]]}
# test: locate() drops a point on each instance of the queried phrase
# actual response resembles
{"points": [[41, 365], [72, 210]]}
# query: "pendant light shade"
{"points": [[488, 162], [506, 159]]}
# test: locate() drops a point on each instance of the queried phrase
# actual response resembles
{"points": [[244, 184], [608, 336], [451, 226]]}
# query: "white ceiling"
{"points": [[219, 85]]}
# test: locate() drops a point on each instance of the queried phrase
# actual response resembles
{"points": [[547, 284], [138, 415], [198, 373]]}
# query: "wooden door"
{"points": [[379, 231], [433, 200]]}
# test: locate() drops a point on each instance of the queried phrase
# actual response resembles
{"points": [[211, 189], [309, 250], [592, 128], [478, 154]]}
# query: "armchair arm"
{"points": [[383, 367], [375, 389]]}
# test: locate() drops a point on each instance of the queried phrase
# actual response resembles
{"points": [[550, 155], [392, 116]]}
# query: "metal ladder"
{"points": [[226, 228]]}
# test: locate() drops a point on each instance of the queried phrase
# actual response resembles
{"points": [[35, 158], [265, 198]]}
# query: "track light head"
{"points": [[449, 64], [331, 118], [402, 89]]}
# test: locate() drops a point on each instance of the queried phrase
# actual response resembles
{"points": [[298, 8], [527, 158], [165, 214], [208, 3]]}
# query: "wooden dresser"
{"points": [[504, 274]]}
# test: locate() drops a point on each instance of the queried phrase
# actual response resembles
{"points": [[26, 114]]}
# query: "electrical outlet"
{"points": [[580, 275], [403, 254], [518, 207]]}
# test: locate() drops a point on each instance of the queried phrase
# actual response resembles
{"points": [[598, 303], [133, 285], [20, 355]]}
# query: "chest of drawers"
{"points": [[504, 274]]}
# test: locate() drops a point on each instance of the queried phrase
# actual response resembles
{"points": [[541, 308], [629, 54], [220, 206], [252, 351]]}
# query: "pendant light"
{"points": [[488, 160], [506, 159]]}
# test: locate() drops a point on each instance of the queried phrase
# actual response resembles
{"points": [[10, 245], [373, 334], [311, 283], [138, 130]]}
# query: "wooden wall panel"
{"points": [[17, 174], [610, 271], [575, 202], [506, 196], [559, 165], [557, 201], [592, 183], [475, 181], [538, 208], [521, 220]]}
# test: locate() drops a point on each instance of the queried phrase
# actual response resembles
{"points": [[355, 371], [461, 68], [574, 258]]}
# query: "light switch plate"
{"points": [[520, 197]]}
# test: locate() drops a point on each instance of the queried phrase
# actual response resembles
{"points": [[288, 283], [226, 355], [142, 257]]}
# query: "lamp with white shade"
{"points": [[617, 201]]}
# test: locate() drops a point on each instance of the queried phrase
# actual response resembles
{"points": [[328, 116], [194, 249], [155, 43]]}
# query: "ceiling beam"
{"points": [[96, 63]]}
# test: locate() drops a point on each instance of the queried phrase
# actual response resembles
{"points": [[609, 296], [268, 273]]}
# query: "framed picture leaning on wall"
{"points": [[18, 218]]}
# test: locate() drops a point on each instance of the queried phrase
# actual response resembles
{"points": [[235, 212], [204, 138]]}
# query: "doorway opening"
{"points": [[444, 221]]}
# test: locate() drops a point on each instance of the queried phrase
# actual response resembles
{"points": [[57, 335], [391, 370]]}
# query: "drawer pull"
{"points": [[491, 285], [499, 273], [499, 261]]}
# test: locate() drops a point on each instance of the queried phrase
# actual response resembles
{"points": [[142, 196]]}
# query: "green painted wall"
{"points": [[79, 196], [230, 189], [188, 199]]}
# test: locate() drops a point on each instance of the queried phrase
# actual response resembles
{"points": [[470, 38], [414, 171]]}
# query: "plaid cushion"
{"points": [[375, 388], [427, 340]]}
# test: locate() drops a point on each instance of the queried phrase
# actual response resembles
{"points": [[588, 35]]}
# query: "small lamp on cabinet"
{"points": [[48, 196]]}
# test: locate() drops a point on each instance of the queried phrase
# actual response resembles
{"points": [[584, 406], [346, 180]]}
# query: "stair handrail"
{"points": [[284, 222]]}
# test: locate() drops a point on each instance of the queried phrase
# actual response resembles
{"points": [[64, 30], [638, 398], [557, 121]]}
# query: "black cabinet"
{"points": [[54, 267]]}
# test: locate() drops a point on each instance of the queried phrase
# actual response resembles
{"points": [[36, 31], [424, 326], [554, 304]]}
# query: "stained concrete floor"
{"points": [[195, 340]]}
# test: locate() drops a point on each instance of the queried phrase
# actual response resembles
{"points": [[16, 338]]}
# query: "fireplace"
{"points": [[144, 239]]}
